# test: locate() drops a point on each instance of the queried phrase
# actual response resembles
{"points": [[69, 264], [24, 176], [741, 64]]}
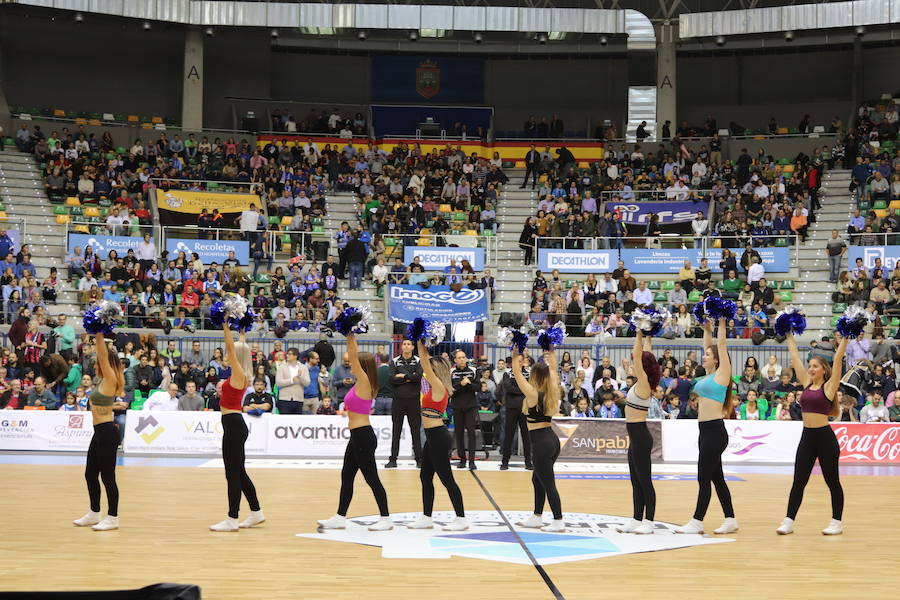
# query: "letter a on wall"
{"points": [[194, 73]]}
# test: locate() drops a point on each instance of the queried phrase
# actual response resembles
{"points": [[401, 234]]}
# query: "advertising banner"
{"points": [[577, 261], [180, 207], [185, 432], [775, 260], [317, 435], [669, 213], [102, 244], [435, 258], [748, 441], [868, 442], [210, 250], [437, 303], [889, 256], [671, 260], [600, 438], [45, 430]]}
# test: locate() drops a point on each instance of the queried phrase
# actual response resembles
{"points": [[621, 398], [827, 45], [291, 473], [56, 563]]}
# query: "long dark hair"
{"points": [[728, 404], [540, 379], [367, 362], [651, 369]]}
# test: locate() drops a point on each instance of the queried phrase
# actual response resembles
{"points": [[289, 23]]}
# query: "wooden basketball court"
{"points": [[165, 512]]}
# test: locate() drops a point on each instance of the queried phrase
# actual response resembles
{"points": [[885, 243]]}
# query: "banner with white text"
{"points": [[185, 432], [317, 435]]}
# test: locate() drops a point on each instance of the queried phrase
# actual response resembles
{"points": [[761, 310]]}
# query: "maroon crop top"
{"points": [[815, 401]]}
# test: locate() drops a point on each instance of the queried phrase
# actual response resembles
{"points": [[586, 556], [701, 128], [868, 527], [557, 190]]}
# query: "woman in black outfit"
{"points": [[527, 240]]}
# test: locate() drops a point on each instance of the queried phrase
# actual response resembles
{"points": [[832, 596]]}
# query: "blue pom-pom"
{"points": [[699, 311], [416, 330], [103, 318], [551, 337], [217, 314], [245, 323], [352, 321], [790, 320], [520, 340], [718, 308], [852, 323], [430, 333]]}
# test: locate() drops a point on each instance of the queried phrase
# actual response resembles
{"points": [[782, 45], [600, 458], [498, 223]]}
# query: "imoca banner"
{"points": [[437, 303]]}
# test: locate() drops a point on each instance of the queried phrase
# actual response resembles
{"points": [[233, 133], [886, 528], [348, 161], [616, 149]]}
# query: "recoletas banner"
{"points": [[179, 207]]}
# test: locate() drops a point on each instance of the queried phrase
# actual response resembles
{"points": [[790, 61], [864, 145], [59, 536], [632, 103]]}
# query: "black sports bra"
{"points": [[536, 413]]}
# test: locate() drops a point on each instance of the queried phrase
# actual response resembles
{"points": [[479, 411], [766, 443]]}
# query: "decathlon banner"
{"points": [[437, 303], [669, 213], [577, 261], [435, 258], [187, 432], [748, 441], [600, 438], [60, 430], [889, 256], [102, 244], [318, 435], [210, 250]]}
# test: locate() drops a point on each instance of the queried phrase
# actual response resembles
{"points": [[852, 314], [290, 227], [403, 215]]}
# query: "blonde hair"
{"points": [[243, 358], [441, 368]]}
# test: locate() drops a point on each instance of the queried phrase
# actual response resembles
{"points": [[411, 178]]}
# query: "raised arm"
{"points": [[642, 387], [103, 365], [238, 377], [526, 387], [831, 386], [362, 379], [431, 377], [797, 362], [553, 366], [707, 334], [723, 373]]}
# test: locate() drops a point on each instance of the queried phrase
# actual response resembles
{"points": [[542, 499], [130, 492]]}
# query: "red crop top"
{"points": [[815, 401], [434, 409], [232, 398]]}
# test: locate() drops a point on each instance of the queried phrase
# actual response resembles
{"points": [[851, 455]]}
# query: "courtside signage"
{"points": [[889, 256], [45, 430], [577, 261], [320, 435], [671, 260], [187, 432], [436, 258]]}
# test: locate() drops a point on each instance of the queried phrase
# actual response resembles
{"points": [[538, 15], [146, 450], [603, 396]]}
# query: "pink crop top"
{"points": [[815, 401], [354, 403]]}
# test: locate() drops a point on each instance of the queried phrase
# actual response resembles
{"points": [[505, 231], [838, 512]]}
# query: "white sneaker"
{"points": [[629, 526], [227, 524], [91, 518], [382, 524], [555, 526], [107, 524], [256, 517], [729, 525], [692, 526], [422, 522], [533, 522], [835, 527], [786, 527], [458, 524], [335, 522], [646, 528]]}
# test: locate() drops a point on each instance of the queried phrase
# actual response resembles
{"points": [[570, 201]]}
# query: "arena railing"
{"points": [[665, 195]]}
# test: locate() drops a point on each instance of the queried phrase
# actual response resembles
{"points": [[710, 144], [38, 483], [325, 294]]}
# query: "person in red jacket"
{"points": [[190, 301]]}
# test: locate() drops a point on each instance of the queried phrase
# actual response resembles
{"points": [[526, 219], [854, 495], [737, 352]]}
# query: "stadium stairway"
{"points": [[24, 200], [513, 277]]}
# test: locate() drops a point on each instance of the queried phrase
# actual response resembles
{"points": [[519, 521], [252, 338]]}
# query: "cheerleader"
{"points": [[818, 401], [714, 392], [637, 403]]}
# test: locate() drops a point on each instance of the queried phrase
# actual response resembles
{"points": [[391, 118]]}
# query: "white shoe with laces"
{"points": [[835, 527], [107, 524], [693, 526], [457, 524], [532, 522], [255, 518], [628, 526], [382, 524], [645, 528], [335, 522], [786, 527], [91, 518], [422, 522], [555, 526], [226, 524], [729, 525]]}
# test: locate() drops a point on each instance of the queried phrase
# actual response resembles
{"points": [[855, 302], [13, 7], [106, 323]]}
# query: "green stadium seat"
{"points": [[864, 206], [570, 283], [838, 308], [884, 320], [668, 285], [60, 210], [895, 322], [274, 220], [787, 284], [660, 297], [286, 240], [720, 285], [834, 321], [694, 296], [653, 285], [786, 296], [781, 243], [318, 229], [263, 278], [389, 241], [880, 205]]}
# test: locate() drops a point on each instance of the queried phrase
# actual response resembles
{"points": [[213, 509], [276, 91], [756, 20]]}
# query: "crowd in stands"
{"points": [[320, 121]]}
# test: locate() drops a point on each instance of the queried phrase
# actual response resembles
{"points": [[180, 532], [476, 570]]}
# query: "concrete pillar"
{"points": [[857, 79], [192, 91], [666, 77]]}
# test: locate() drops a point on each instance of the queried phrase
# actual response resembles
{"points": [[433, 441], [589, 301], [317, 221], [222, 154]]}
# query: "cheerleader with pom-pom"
{"points": [[715, 404], [101, 457], [233, 312], [360, 452], [818, 401]]}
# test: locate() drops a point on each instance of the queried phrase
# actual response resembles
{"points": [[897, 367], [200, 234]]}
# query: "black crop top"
{"points": [[536, 413]]}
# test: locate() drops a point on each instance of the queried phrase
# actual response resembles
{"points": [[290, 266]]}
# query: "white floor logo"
{"points": [[587, 536]]}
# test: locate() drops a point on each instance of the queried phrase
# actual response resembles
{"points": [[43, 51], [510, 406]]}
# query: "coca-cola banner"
{"points": [[868, 442], [600, 438]]}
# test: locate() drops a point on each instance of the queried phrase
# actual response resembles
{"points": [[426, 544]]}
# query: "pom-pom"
{"points": [[504, 337], [235, 306], [235, 309], [650, 320], [789, 320], [553, 336], [717, 308], [699, 311], [519, 340], [852, 323], [430, 333], [353, 321], [103, 318], [244, 323], [217, 314]]}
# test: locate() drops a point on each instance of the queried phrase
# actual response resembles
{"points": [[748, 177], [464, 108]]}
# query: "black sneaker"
{"points": [[418, 463], [472, 466], [461, 464], [529, 467], [504, 466], [391, 464]]}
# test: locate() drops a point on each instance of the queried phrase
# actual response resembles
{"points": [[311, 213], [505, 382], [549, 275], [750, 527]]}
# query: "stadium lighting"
{"points": [[413, 36], [720, 40], [604, 40], [274, 34], [209, 32], [79, 17], [478, 37], [362, 35], [542, 38], [789, 36], [146, 26]]}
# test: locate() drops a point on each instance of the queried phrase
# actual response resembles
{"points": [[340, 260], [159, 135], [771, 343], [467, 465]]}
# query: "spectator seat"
{"points": [[73, 201], [786, 296], [787, 284]]}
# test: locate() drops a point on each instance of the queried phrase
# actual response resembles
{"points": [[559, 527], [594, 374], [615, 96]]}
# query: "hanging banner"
{"points": [[637, 214], [600, 438], [179, 207], [435, 258], [102, 244], [889, 256], [577, 261], [319, 435], [671, 260], [210, 250], [187, 432], [437, 303]]}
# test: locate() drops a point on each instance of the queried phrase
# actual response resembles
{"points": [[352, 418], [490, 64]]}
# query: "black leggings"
{"points": [[234, 435], [360, 456], [544, 452], [642, 492], [464, 420], [436, 459], [712, 443], [101, 462], [821, 443]]}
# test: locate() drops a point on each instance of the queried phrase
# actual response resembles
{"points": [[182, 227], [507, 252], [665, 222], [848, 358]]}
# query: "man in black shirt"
{"points": [[511, 396], [532, 158], [465, 409], [259, 399], [406, 377]]}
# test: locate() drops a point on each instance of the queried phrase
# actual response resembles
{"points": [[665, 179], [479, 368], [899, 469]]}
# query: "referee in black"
{"points": [[406, 377], [465, 409], [511, 396]]}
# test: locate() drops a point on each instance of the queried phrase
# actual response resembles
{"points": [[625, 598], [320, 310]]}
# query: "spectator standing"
{"points": [[836, 250], [406, 379], [65, 337], [343, 379], [532, 159], [292, 378], [355, 255], [312, 390]]}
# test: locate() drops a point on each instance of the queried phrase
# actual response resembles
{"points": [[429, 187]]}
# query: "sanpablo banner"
{"points": [[600, 438]]}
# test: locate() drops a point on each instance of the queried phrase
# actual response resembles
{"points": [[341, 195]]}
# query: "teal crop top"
{"points": [[707, 387]]}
